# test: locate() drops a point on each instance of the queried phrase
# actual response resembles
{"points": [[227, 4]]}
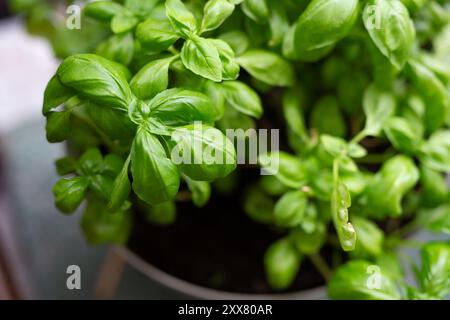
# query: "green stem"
{"points": [[321, 265], [360, 136]]}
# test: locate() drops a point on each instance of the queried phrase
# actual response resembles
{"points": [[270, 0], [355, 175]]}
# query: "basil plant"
{"points": [[360, 88]]}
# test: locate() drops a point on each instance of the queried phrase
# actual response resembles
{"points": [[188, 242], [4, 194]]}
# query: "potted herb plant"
{"points": [[360, 93]]}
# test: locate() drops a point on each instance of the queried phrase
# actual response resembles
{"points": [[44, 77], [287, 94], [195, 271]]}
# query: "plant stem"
{"points": [[321, 265], [356, 139]]}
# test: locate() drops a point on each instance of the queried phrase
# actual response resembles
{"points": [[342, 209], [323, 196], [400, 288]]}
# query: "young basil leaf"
{"points": [[156, 35], [293, 114], [272, 186], [178, 107], [141, 7], [121, 188], [379, 106], [123, 22], [103, 10], [101, 226], [391, 29], [309, 241], [433, 186], [435, 273], [66, 165], [151, 79], [258, 206], [202, 57], [182, 20], [321, 26], [353, 281], [370, 238], [97, 78], [290, 209], [101, 186], [230, 67], [69, 193], [436, 219], [58, 127], [434, 93], [256, 10], [114, 123], [341, 201], [278, 22], [200, 190], [267, 67], [435, 153], [112, 165], [163, 214], [155, 177], [282, 263], [403, 136], [55, 94], [396, 177], [90, 162], [327, 118], [286, 168], [237, 40], [203, 153], [241, 97], [215, 13], [119, 48]]}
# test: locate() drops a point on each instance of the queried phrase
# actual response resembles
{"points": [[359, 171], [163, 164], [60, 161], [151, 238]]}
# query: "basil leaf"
{"points": [[151, 79], [215, 13], [293, 114], [309, 242], [278, 22], [121, 188], [379, 106], [58, 127], [114, 123], [403, 136], [55, 94], [435, 153], [433, 187], [241, 97], [321, 26], [290, 209], [141, 7], [436, 219], [90, 163], [163, 214], [66, 165], [391, 29], [69, 193], [182, 20], [396, 177], [258, 206], [282, 263], [123, 22], [119, 48], [287, 169], [155, 177], [230, 67], [237, 40], [97, 78], [156, 35], [256, 10], [101, 186], [353, 281], [370, 238], [345, 230], [112, 165], [201, 56], [202, 152], [178, 107], [435, 273], [200, 191], [327, 118], [267, 67], [101, 226], [103, 10]]}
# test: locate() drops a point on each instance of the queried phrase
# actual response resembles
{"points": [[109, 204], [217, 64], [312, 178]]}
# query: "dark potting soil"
{"points": [[217, 246]]}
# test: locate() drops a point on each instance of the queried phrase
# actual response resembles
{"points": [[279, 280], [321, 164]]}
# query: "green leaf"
{"points": [[112, 165], [119, 48], [230, 67], [435, 153], [360, 280], [256, 10], [215, 13], [178, 107], [436, 219], [237, 40], [370, 238], [203, 153], [66, 165], [391, 29], [103, 10], [241, 97], [327, 118], [435, 273], [396, 177], [290, 209], [201, 56], [287, 168], [114, 123], [55, 94], [97, 78], [156, 35], [403, 135], [163, 214], [155, 177], [267, 67], [282, 263], [141, 8], [200, 191], [258, 206], [320, 27], [344, 229], [379, 106], [101, 186], [69, 193], [121, 188], [434, 188], [182, 20], [58, 127], [309, 241], [101, 226], [123, 22], [278, 22], [151, 79], [91, 162]]}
